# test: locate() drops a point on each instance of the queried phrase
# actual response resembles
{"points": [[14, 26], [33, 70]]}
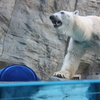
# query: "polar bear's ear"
{"points": [[76, 12]]}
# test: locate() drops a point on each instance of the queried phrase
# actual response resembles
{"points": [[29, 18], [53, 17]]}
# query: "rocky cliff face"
{"points": [[28, 37]]}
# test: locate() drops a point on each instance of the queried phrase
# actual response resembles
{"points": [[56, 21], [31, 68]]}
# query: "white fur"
{"points": [[82, 30]]}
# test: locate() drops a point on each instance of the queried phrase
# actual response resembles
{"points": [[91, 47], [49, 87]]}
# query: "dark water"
{"points": [[51, 91]]}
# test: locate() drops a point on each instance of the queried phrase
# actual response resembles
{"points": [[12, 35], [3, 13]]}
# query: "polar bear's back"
{"points": [[88, 24], [96, 24]]}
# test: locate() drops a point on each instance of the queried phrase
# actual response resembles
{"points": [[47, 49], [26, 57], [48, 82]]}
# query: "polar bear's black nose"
{"points": [[52, 17]]}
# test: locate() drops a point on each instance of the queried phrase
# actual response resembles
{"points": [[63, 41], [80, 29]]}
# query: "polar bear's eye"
{"points": [[62, 12]]}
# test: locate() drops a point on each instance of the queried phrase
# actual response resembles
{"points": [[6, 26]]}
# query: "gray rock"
{"points": [[52, 78]]}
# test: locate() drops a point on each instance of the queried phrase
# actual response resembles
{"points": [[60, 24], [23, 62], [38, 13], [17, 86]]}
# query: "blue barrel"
{"points": [[18, 73]]}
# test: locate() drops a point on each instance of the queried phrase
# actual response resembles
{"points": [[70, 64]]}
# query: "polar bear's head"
{"points": [[63, 18]]}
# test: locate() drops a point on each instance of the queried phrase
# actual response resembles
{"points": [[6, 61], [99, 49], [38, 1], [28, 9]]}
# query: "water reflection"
{"points": [[82, 91]]}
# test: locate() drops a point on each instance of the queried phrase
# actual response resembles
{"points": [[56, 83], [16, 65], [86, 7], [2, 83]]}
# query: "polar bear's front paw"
{"points": [[62, 74]]}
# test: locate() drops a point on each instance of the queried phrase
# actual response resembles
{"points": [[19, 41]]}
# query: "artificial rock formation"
{"points": [[28, 37]]}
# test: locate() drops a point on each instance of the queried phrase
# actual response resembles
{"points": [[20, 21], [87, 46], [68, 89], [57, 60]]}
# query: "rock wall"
{"points": [[27, 36]]}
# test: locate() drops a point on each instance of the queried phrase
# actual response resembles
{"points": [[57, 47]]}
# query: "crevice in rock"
{"points": [[29, 28], [48, 51], [75, 5], [4, 20], [67, 43], [55, 5]]}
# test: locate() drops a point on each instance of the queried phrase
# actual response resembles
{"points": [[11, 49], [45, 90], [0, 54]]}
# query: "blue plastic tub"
{"points": [[53, 90]]}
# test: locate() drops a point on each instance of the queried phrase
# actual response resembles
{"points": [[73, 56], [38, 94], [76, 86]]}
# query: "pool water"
{"points": [[53, 90]]}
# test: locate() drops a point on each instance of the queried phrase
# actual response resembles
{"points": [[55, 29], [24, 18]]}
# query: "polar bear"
{"points": [[84, 32]]}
